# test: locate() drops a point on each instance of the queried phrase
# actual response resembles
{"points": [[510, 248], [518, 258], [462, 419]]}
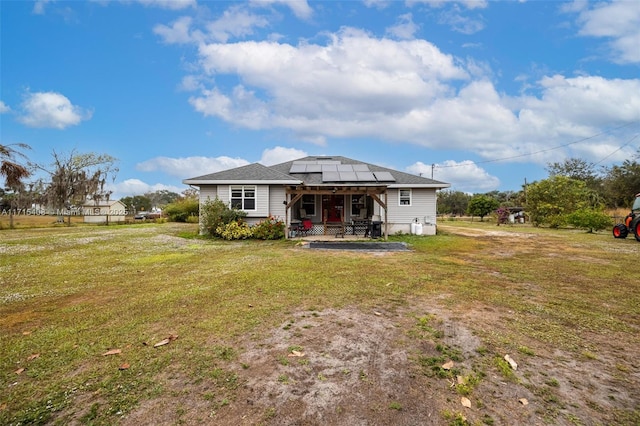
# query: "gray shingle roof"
{"points": [[249, 173], [279, 173]]}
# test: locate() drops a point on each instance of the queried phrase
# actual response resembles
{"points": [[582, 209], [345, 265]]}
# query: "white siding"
{"points": [[423, 208], [268, 199], [114, 212], [208, 192], [276, 199]]}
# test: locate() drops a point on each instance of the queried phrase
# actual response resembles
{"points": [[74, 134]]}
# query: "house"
{"points": [[104, 212], [331, 195]]}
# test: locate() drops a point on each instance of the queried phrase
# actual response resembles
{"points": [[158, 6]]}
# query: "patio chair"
{"points": [[305, 226]]}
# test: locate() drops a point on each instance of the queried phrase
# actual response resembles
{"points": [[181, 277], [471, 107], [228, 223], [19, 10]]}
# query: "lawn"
{"points": [[245, 330]]}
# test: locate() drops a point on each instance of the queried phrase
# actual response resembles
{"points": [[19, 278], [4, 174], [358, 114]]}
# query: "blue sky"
{"points": [[482, 94]]}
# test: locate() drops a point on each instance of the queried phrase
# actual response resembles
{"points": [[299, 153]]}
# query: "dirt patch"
{"points": [[337, 367]]}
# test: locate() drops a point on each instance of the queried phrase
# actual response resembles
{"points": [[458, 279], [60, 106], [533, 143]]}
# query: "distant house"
{"points": [[104, 212], [331, 195]]}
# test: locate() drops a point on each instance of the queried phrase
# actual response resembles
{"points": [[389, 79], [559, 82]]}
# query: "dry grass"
{"points": [[70, 294]]}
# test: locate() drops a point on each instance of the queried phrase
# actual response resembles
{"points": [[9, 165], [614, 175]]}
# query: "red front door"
{"points": [[333, 208]]}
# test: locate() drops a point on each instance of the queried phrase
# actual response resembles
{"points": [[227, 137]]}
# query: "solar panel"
{"points": [[348, 176], [360, 168], [384, 177], [365, 177], [345, 167], [314, 168], [329, 176], [329, 168], [298, 168]]}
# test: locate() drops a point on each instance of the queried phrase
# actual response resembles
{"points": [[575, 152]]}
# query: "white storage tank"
{"points": [[418, 228]]}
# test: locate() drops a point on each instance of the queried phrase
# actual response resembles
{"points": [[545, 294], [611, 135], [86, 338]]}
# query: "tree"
{"points": [[549, 201], [453, 202], [591, 219], [162, 197], [182, 210], [12, 171], [622, 183], [482, 205], [137, 203], [575, 168], [13, 174], [579, 169], [191, 193], [78, 178]]}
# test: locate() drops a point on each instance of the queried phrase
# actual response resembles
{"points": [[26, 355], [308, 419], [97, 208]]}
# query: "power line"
{"points": [[628, 142], [550, 149]]}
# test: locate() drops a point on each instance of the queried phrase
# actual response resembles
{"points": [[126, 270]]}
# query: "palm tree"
{"points": [[12, 171]]}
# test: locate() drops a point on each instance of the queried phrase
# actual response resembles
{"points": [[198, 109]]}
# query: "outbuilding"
{"points": [[104, 212]]}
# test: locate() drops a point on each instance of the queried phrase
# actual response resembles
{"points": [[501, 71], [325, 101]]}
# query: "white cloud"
{"points": [[324, 90], [378, 4], [51, 109], [4, 108], [235, 22], [132, 187], [300, 8], [190, 83], [188, 167], [39, 6], [405, 29], [461, 23], [465, 176], [280, 154], [168, 4], [618, 21], [177, 33], [359, 86]]}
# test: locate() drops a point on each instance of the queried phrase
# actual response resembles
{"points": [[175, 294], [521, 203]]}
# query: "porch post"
{"points": [[287, 225], [386, 216]]}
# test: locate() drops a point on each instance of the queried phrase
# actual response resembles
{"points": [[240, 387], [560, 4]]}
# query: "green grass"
{"points": [[70, 294]]}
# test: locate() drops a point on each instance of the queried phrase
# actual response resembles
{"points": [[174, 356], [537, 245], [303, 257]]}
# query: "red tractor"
{"points": [[631, 222]]}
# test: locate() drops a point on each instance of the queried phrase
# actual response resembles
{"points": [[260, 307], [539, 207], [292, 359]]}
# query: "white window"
{"points": [[243, 197], [404, 197]]}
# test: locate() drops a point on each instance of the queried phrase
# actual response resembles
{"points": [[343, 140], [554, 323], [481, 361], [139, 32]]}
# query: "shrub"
{"points": [[502, 215], [589, 219], [182, 210], [215, 214], [269, 229], [234, 231]]}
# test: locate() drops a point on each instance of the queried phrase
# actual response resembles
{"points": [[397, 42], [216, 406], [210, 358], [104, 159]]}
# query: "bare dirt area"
{"points": [[399, 366], [349, 367]]}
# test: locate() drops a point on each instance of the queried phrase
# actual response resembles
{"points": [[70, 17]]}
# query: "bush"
{"points": [[234, 231], [215, 214], [269, 229], [182, 210], [502, 215], [589, 219]]}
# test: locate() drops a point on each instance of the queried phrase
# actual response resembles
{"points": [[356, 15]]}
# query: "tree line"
{"points": [[74, 180], [575, 192]]}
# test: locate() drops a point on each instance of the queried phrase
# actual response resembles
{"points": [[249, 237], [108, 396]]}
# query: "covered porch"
{"points": [[336, 211]]}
